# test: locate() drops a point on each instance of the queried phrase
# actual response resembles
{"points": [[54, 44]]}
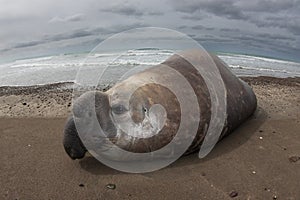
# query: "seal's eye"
{"points": [[118, 109]]}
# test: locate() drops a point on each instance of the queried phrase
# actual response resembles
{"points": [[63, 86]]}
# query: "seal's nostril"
{"points": [[144, 109], [73, 154]]}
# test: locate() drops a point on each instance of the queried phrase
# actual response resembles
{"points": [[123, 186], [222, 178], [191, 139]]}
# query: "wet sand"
{"points": [[258, 161]]}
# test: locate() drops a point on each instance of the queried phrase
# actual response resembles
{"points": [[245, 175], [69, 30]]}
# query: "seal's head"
{"points": [[132, 118]]}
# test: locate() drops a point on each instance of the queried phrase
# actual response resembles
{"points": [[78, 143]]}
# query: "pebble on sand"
{"points": [[111, 186], [294, 158], [233, 194]]}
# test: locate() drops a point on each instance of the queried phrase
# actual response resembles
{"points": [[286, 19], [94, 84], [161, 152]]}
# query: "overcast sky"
{"points": [[261, 27]]}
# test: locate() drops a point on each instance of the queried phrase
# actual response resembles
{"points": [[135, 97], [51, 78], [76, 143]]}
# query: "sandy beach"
{"points": [[260, 160]]}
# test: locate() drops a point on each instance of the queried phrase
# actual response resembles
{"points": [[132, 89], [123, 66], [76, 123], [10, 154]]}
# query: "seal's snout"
{"points": [[78, 110], [84, 105], [89, 109], [89, 104], [72, 143]]}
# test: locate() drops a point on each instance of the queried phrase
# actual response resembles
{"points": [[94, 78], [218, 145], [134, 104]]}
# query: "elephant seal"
{"points": [[143, 113]]}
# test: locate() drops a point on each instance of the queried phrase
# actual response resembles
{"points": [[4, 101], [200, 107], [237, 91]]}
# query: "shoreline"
{"points": [[68, 85], [55, 100]]}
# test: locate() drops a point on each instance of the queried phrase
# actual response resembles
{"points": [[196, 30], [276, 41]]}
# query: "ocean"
{"points": [[64, 68]]}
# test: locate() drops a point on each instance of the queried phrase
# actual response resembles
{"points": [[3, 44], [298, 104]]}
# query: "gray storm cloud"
{"points": [[269, 27], [72, 18]]}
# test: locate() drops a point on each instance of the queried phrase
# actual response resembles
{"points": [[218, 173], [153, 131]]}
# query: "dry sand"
{"points": [[258, 161]]}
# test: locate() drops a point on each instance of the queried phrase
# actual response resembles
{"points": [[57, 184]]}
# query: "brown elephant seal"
{"points": [[169, 109]]}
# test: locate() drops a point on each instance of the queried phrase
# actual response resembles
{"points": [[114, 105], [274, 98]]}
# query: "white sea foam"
{"points": [[62, 68]]}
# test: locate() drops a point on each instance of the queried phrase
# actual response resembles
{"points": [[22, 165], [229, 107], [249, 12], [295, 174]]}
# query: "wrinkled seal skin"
{"points": [[241, 104]]}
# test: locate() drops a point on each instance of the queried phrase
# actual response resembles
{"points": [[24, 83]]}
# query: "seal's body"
{"points": [[145, 112]]}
